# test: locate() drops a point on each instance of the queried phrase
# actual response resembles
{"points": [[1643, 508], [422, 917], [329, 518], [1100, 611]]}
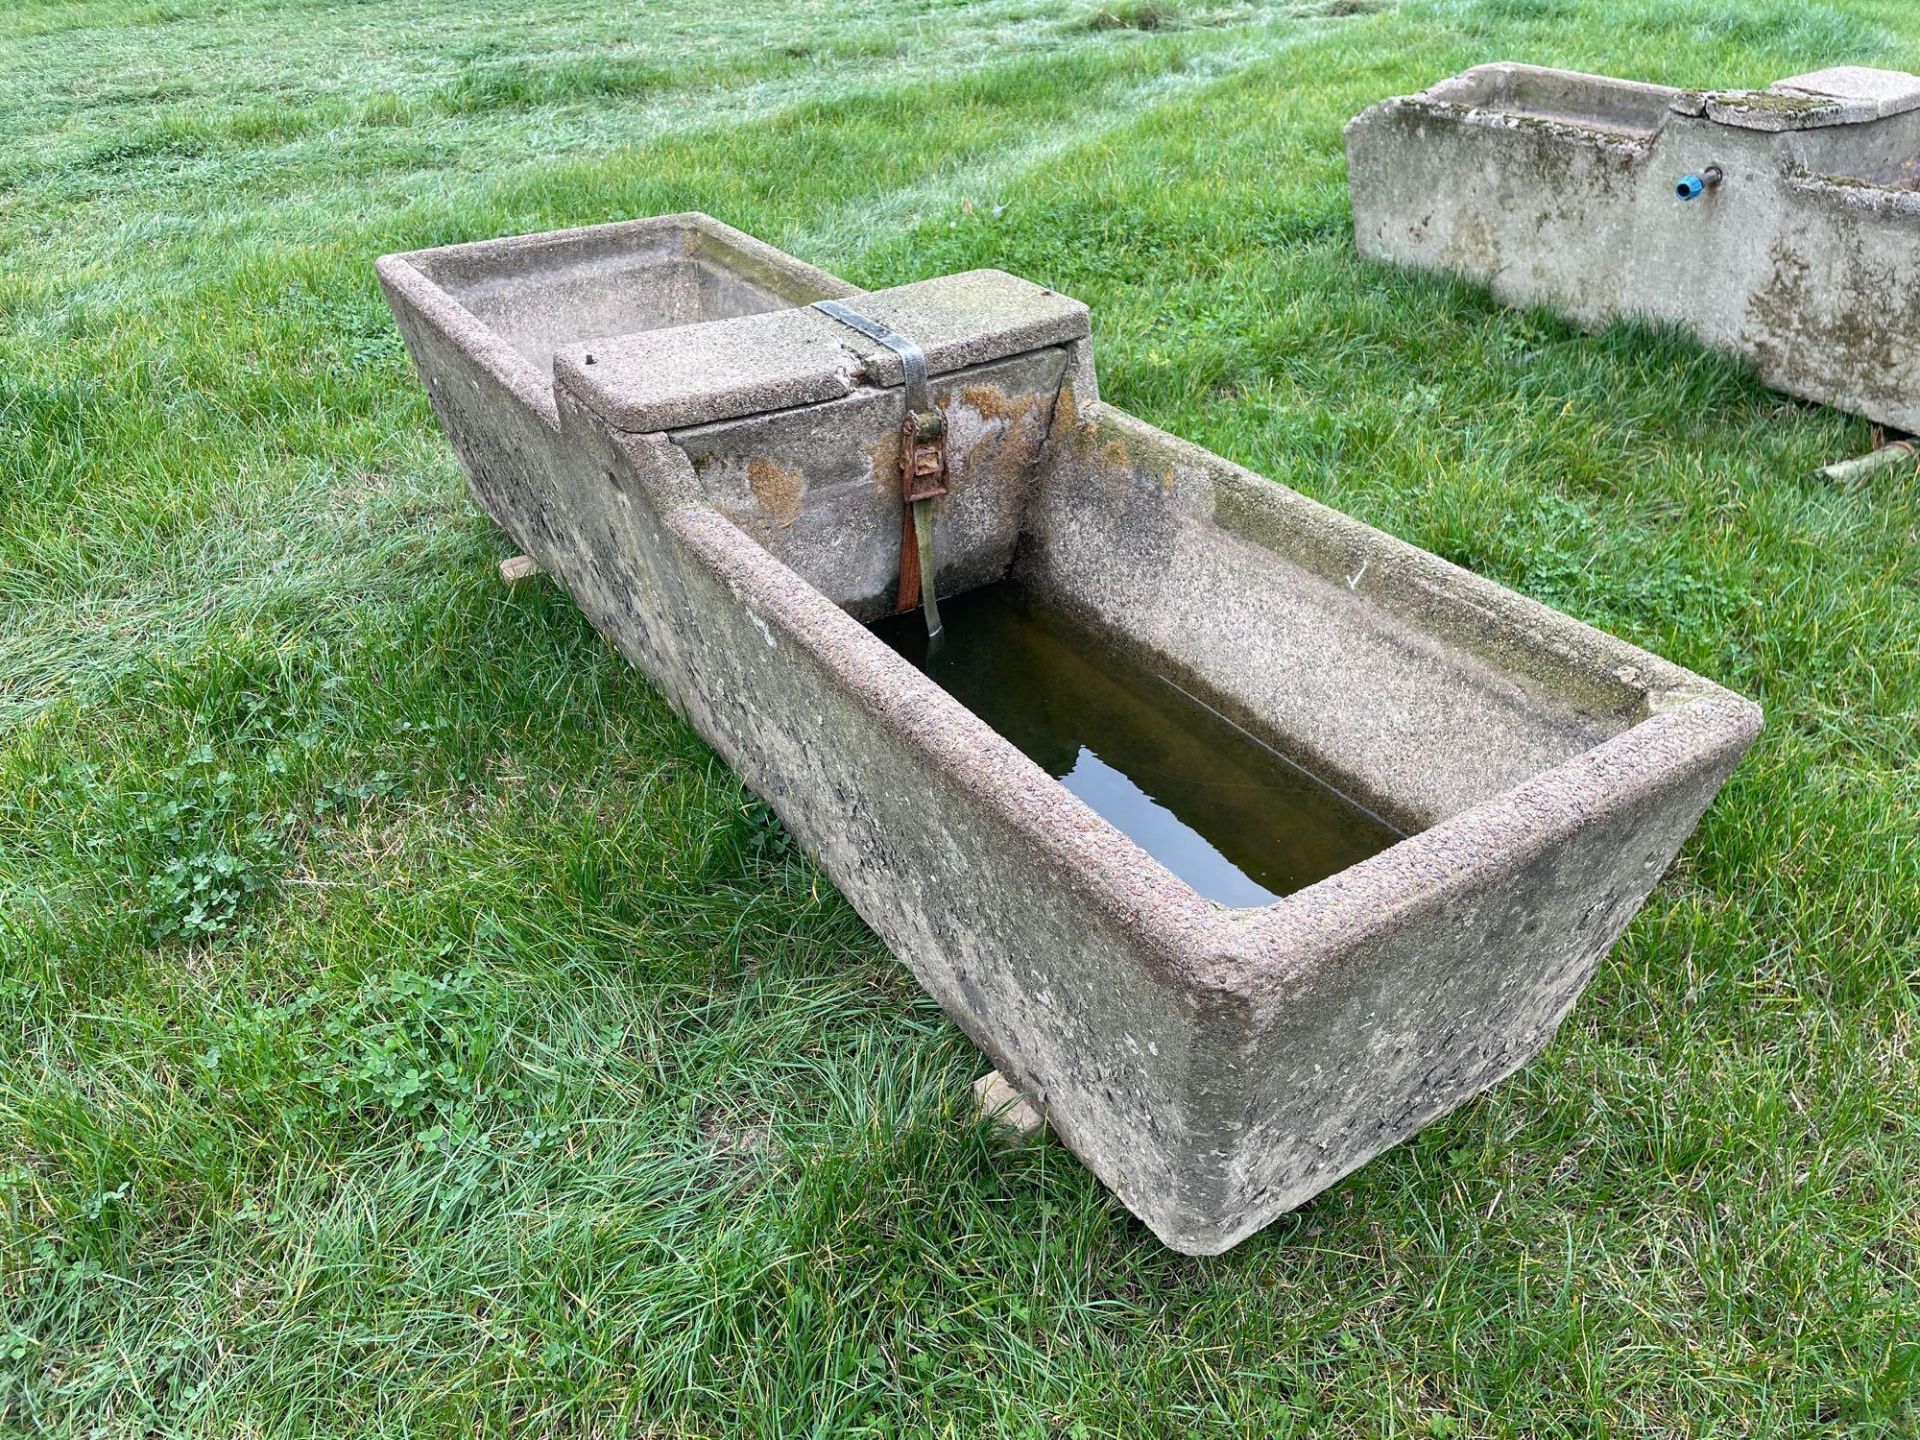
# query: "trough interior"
{"points": [[1382, 671], [1238, 821], [1883, 153], [1411, 705], [1594, 102], [539, 297]]}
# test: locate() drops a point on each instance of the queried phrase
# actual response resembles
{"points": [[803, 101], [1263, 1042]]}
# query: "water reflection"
{"points": [[1238, 822]]}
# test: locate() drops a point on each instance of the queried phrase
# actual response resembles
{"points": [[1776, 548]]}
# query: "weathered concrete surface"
{"points": [[1213, 1067], [538, 292], [1558, 189]]}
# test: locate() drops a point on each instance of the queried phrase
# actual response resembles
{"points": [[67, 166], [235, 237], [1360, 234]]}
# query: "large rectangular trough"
{"points": [[1780, 225], [710, 467]]}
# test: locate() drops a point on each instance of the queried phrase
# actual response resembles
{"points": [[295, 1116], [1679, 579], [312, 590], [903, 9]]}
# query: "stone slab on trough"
{"points": [[674, 379]]}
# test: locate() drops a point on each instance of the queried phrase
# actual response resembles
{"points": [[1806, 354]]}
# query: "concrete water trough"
{"points": [[1779, 225], [1220, 1012]]}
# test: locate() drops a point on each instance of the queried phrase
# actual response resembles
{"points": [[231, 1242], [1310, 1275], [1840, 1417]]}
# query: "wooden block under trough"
{"points": [[520, 567], [1000, 1101]]}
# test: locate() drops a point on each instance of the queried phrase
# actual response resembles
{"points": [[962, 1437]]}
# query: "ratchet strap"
{"points": [[923, 463]]}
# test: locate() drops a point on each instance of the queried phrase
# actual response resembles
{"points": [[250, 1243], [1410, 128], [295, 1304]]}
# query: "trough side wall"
{"points": [[1388, 995], [1538, 211]]}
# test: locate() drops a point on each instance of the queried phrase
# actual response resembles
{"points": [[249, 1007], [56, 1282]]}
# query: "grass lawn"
{"points": [[408, 1027]]}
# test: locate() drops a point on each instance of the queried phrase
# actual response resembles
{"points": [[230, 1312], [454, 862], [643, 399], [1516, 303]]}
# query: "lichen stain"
{"points": [[1766, 102], [992, 403], [1473, 249], [1070, 428], [992, 437], [777, 490], [1850, 324], [883, 464], [1115, 459]]}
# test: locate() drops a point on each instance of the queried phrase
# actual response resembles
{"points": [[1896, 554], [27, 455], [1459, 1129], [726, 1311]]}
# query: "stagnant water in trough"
{"points": [[1236, 820]]}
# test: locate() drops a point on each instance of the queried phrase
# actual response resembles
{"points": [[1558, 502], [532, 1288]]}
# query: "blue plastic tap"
{"points": [[1692, 187]]}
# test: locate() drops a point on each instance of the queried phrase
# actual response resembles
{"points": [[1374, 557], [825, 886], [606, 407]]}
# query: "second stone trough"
{"points": [[1779, 225], [711, 466]]}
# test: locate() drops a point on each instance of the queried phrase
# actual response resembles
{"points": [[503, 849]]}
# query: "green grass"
{"points": [[408, 1027]]}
